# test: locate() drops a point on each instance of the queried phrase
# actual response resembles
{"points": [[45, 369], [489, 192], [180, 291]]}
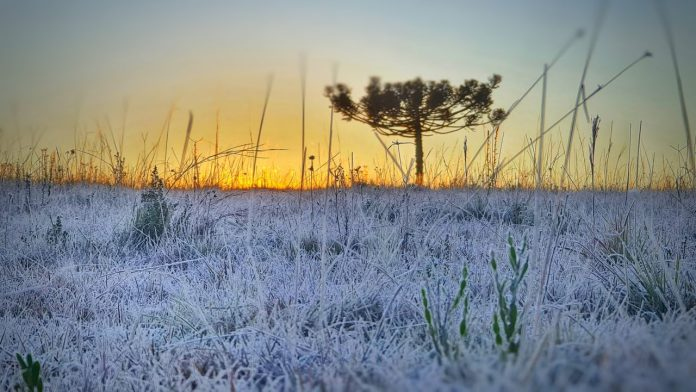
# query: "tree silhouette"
{"points": [[416, 108]]}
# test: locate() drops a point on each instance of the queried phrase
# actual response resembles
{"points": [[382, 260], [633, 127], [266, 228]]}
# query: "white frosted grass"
{"points": [[188, 313]]}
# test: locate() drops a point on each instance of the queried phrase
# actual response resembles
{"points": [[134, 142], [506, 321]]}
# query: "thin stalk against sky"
{"points": [[303, 87], [667, 27], [601, 87], [540, 158], [258, 135], [601, 16], [186, 141], [514, 105]]}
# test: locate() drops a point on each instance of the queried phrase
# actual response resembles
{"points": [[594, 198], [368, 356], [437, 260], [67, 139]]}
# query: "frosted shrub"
{"points": [[154, 213]]}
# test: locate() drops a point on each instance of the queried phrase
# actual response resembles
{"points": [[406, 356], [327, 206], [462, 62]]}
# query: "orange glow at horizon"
{"points": [[112, 90]]}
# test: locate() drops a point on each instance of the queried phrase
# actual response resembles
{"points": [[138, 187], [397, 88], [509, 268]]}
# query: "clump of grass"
{"points": [[507, 329], [31, 374], [647, 283], [613, 243], [195, 218], [387, 211], [447, 346], [518, 214], [311, 245], [154, 213], [476, 208]]}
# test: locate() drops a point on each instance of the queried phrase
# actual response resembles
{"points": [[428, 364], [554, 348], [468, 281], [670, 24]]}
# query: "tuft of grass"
{"points": [[507, 329], [476, 208], [446, 345], [31, 373], [648, 283], [518, 214]]}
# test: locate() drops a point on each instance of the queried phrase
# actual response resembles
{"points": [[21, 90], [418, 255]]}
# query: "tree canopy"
{"points": [[416, 108]]}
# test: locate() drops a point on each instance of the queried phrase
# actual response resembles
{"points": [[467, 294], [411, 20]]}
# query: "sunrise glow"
{"points": [[102, 79]]}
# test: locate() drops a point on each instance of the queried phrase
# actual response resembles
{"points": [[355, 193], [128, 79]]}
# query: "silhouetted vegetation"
{"points": [[416, 108]]}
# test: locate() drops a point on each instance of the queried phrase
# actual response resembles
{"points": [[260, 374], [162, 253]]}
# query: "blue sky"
{"points": [[78, 63]]}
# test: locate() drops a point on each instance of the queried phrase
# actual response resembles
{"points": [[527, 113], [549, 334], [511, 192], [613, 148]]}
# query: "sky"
{"points": [[69, 67]]}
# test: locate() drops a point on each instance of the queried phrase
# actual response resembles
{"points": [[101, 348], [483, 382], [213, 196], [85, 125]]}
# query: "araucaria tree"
{"points": [[415, 108]]}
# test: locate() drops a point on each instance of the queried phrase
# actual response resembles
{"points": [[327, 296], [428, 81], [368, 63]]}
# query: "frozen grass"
{"points": [[217, 300]]}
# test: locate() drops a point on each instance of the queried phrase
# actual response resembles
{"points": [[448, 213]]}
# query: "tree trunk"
{"points": [[419, 155]]}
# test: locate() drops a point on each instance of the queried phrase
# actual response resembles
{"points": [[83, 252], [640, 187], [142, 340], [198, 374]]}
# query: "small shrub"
{"points": [[56, 235], [154, 213]]}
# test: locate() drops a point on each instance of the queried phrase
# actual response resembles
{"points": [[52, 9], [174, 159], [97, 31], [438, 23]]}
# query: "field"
{"points": [[119, 289]]}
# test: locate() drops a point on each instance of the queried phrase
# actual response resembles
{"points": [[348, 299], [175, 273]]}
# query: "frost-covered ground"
{"points": [[261, 291]]}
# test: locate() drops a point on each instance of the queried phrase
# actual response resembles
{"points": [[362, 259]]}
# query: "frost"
{"points": [[263, 299]]}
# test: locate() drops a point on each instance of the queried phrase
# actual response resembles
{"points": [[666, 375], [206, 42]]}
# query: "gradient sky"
{"points": [[64, 63]]}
